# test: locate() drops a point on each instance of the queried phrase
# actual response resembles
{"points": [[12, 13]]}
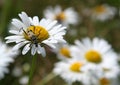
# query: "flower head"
{"points": [[100, 77], [67, 16], [7, 57], [103, 12], [63, 51], [101, 60], [105, 81], [33, 34], [72, 71], [96, 51]]}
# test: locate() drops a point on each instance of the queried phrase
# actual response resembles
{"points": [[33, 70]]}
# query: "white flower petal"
{"points": [[14, 37], [51, 25], [18, 24], [19, 45], [41, 50], [33, 50], [14, 31], [26, 49], [36, 20], [25, 18]]}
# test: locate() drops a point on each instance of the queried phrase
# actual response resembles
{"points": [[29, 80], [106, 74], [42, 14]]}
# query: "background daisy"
{"points": [[7, 57], [96, 52], [103, 12], [97, 47], [63, 51], [72, 71], [66, 17]]}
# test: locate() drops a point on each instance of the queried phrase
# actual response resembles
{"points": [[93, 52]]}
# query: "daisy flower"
{"points": [[66, 17], [33, 33], [100, 58], [104, 79], [72, 71], [111, 70], [63, 51], [103, 12], [96, 52], [7, 57]]}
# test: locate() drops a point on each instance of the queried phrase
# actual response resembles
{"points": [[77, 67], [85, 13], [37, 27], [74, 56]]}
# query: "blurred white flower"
{"points": [[24, 80], [66, 17], [72, 71], [102, 61], [97, 52], [103, 12], [7, 57], [103, 79], [17, 71], [63, 51], [31, 33]]}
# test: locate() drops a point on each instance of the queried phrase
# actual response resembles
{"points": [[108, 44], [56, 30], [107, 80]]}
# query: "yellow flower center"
{"points": [[106, 69], [36, 34], [65, 52], [99, 9], [104, 81], [60, 17], [76, 66], [93, 56]]}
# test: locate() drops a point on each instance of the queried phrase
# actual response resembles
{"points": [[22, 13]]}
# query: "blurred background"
{"points": [[87, 27]]}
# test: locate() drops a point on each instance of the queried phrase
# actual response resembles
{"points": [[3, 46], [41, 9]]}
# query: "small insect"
{"points": [[32, 36]]}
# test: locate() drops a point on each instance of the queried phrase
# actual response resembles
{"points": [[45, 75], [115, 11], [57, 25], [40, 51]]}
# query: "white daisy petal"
{"points": [[14, 32], [26, 49], [19, 45], [51, 25], [10, 41], [14, 37], [33, 50], [25, 18], [18, 24], [41, 50], [42, 22], [36, 20]]}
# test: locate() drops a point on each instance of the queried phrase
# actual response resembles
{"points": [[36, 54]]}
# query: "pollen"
{"points": [[104, 81], [60, 17], [99, 9], [93, 56], [39, 32], [65, 52], [76, 66]]}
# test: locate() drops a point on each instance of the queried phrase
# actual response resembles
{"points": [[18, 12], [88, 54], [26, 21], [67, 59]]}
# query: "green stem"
{"points": [[47, 79], [33, 65]]}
